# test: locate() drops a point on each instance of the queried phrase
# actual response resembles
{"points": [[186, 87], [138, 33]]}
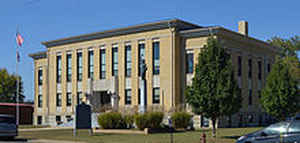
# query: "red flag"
{"points": [[18, 57], [19, 39]]}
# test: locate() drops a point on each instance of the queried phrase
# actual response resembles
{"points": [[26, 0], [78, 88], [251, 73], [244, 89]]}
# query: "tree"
{"points": [[214, 92], [8, 87], [289, 49], [279, 97]]}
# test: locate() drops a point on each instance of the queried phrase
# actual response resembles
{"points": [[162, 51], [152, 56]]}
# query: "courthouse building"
{"points": [[103, 69]]}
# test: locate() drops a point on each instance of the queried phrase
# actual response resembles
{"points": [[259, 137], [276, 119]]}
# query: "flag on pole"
{"points": [[18, 57], [19, 39]]}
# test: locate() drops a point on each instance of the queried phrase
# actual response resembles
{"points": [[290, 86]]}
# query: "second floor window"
{"points": [[259, 70], [189, 63], [127, 96], [249, 68], [102, 64], [58, 69], [141, 56], [156, 57], [239, 66], [69, 99], [79, 66], [156, 96], [58, 99], [91, 64], [128, 61], [69, 67], [115, 61], [40, 77], [40, 100]]}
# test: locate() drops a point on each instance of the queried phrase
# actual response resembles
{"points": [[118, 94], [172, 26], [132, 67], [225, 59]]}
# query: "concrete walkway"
{"points": [[44, 129]]}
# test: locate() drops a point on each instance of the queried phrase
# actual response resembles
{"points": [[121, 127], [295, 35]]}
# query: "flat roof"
{"points": [[180, 24]]}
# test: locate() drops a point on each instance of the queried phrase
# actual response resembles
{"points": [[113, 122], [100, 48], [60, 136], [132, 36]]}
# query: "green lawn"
{"points": [[228, 135]]}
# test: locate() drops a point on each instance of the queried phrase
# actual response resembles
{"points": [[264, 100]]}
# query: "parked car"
{"points": [[282, 132], [8, 127]]}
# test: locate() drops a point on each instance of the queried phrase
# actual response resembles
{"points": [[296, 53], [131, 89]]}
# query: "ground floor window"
{"points": [[69, 118], [156, 96], [58, 120], [127, 96], [39, 120]]}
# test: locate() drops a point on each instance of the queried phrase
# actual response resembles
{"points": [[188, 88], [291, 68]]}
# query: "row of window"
{"points": [[155, 96], [102, 59], [259, 64]]}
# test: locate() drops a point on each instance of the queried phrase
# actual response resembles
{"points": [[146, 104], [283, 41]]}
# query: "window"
{"points": [[102, 64], [79, 66], [141, 56], [128, 61], [269, 67], [115, 61], [79, 97], [249, 68], [69, 118], [259, 70], [139, 96], [295, 127], [40, 77], [276, 129], [91, 64], [40, 101], [156, 55], [39, 120], [239, 66], [189, 63], [69, 99], [58, 69], [156, 96], [58, 119], [58, 99], [250, 97], [127, 96], [69, 67]]}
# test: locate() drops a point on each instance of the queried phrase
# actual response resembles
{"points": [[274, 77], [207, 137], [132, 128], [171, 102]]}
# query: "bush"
{"points": [[181, 119], [129, 120], [150, 120], [112, 120]]}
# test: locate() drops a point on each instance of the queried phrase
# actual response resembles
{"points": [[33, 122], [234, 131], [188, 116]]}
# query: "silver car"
{"points": [[8, 127], [282, 132]]}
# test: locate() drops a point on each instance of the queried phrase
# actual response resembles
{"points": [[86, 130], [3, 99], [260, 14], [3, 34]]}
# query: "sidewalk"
{"points": [[44, 129]]}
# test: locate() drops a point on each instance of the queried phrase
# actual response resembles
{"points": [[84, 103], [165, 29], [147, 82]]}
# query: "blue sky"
{"points": [[42, 20]]}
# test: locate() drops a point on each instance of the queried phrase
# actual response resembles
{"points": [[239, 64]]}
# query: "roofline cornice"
{"points": [[175, 23]]}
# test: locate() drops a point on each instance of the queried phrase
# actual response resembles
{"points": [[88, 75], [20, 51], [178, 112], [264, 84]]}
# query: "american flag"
{"points": [[19, 39]]}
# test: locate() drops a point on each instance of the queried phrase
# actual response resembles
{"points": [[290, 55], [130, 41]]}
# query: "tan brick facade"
{"points": [[175, 37]]}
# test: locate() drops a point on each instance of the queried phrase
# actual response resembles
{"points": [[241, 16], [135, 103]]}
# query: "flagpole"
{"points": [[17, 96]]}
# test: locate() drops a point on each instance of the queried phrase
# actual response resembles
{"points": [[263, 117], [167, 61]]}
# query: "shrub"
{"points": [[149, 120], [112, 120], [181, 119], [129, 120]]}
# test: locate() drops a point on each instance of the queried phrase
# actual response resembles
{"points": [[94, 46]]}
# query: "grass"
{"points": [[226, 135]]}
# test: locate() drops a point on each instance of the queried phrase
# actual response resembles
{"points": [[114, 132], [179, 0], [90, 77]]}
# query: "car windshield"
{"points": [[8, 120], [276, 129], [295, 127]]}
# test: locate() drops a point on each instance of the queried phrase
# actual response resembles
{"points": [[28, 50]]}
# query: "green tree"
{"points": [[279, 97], [8, 87], [289, 49], [214, 92]]}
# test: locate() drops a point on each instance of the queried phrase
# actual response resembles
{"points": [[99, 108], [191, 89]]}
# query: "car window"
{"points": [[8, 120], [294, 127], [276, 129]]}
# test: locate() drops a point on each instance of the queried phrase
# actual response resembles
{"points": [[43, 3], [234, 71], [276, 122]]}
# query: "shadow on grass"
{"points": [[3, 139], [230, 137]]}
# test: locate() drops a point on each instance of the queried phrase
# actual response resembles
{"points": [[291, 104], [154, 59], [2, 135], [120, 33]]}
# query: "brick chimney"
{"points": [[243, 27]]}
